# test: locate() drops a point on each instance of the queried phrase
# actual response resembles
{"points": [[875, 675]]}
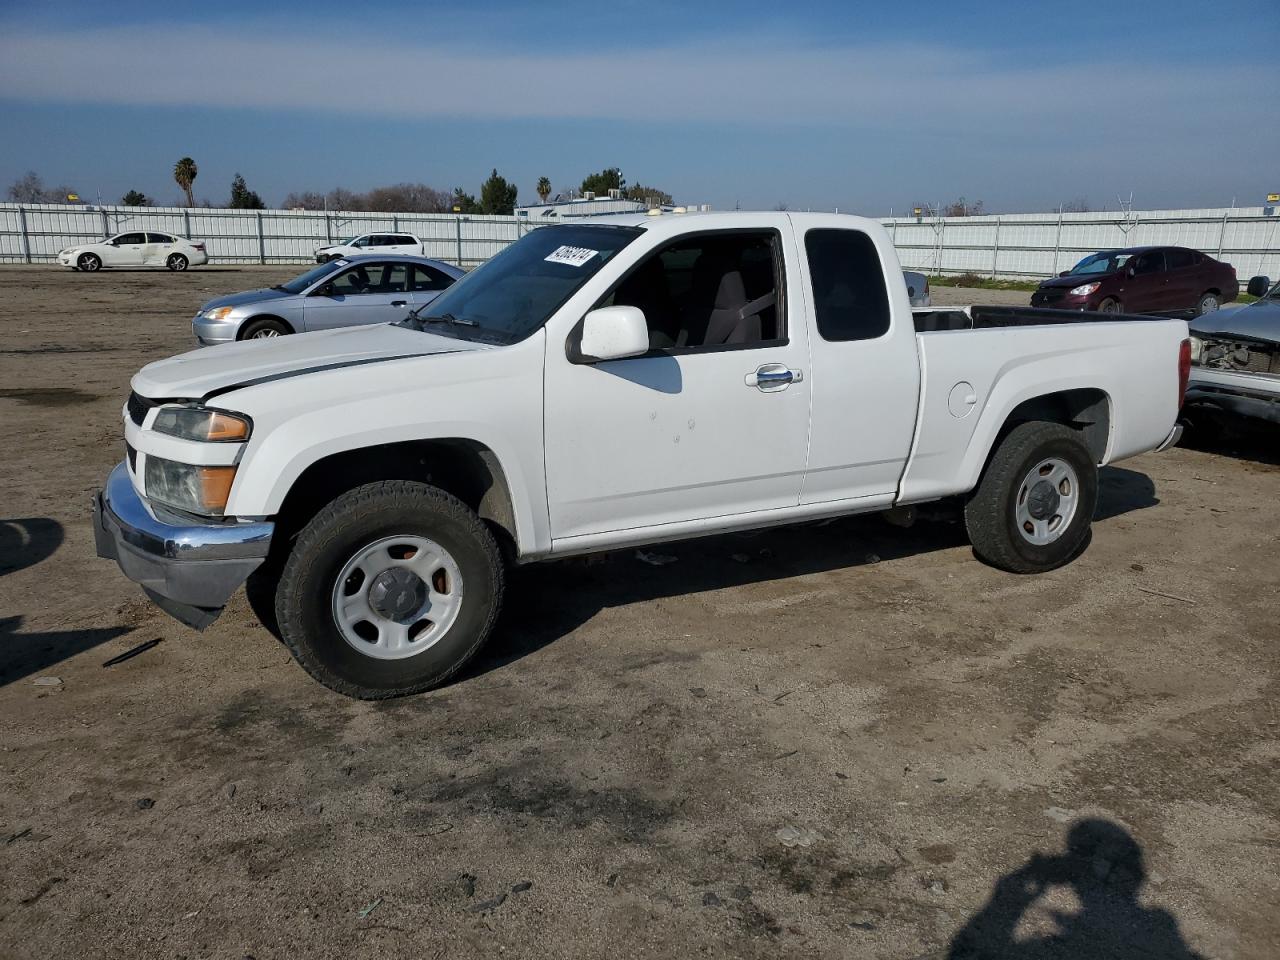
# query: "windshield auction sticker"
{"points": [[573, 256]]}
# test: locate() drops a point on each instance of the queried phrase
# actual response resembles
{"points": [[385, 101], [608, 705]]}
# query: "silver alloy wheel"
{"points": [[1047, 500], [88, 262], [1109, 306], [266, 333], [397, 596], [1208, 304], [177, 262]]}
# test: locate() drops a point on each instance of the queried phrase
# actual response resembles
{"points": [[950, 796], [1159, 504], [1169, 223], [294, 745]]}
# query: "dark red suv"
{"points": [[1163, 280]]}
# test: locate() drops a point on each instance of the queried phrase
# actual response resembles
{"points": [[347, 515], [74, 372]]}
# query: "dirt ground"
{"points": [[842, 740]]}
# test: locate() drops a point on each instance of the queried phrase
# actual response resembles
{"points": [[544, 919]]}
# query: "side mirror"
{"points": [[1064, 273], [1258, 286], [1132, 272], [611, 333]]}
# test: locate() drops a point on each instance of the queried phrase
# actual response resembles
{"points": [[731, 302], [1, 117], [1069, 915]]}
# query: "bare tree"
{"points": [[960, 207], [340, 198], [30, 188], [306, 200], [408, 198], [1078, 205]]}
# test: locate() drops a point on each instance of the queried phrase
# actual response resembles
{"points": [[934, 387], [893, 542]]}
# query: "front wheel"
{"points": [[264, 329], [1033, 507], [89, 262], [176, 262], [1110, 305], [389, 590], [1209, 302]]}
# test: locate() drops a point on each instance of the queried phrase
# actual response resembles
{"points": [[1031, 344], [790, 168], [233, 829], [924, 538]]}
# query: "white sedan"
{"points": [[137, 249]]}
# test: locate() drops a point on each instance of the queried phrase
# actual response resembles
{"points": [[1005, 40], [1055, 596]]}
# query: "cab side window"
{"points": [[130, 238], [1178, 258], [711, 291], [159, 238], [850, 300]]}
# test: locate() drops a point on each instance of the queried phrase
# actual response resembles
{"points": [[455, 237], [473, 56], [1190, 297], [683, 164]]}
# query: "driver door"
{"points": [[712, 422], [126, 250], [362, 293]]}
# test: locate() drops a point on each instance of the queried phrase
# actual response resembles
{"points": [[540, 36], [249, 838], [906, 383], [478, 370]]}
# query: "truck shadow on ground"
{"points": [[1103, 871], [23, 654], [25, 542], [546, 601], [1236, 437]]}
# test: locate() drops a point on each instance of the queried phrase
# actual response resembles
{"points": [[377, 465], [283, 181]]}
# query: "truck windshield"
{"points": [[513, 294], [1108, 262]]}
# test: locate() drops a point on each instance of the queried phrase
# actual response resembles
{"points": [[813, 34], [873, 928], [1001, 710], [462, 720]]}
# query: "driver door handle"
{"points": [[399, 303], [771, 377]]}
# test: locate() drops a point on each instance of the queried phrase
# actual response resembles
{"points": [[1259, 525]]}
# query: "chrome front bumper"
{"points": [[188, 569]]}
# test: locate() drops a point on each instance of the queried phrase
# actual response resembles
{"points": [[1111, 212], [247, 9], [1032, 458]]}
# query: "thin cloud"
{"points": [[742, 81]]}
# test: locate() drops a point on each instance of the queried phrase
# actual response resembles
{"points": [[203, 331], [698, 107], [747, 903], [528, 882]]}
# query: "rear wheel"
{"points": [[89, 262], [1032, 509], [1209, 302], [264, 329], [1110, 305], [176, 262], [389, 590]]}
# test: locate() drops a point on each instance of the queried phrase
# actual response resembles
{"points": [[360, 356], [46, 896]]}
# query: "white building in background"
{"points": [[589, 205]]}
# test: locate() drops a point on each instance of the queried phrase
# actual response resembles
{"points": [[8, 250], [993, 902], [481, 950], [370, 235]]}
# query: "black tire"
{"points": [[89, 262], [177, 262], [263, 329], [1110, 305], [363, 516], [1208, 303], [991, 512]]}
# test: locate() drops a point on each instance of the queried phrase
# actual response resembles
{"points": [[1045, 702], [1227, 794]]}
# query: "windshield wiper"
{"points": [[448, 318]]}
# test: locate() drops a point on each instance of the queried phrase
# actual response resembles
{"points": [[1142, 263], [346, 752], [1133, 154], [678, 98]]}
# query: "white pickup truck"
{"points": [[367, 243], [601, 385]]}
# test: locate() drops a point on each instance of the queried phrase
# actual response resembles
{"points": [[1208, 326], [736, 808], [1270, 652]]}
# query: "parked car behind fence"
{"points": [[1169, 281], [135, 249]]}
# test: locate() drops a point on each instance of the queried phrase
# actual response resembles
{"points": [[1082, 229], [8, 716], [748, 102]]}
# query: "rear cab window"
{"points": [[850, 299]]}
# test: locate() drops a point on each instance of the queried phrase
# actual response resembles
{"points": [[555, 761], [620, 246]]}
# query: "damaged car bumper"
{"points": [[189, 569], [1243, 394]]}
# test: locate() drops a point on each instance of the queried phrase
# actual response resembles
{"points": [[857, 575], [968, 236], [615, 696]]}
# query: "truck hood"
{"points": [[248, 296], [213, 370], [1257, 321]]}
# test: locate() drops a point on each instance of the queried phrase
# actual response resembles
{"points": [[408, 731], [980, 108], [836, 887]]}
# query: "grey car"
{"points": [[342, 293]]}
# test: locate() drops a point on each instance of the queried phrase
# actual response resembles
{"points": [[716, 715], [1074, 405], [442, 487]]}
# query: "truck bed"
{"points": [[980, 365]]}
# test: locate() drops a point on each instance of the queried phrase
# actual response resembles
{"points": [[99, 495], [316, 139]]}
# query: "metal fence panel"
{"points": [[1020, 245]]}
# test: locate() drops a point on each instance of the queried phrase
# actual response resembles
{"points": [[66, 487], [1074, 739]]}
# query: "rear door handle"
{"points": [[399, 303], [771, 377]]}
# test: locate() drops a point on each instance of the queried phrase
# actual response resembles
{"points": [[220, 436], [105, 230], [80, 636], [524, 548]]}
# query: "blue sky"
{"points": [[864, 107]]}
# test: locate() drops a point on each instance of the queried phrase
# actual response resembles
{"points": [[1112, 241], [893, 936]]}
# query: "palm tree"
{"points": [[544, 188], [184, 172]]}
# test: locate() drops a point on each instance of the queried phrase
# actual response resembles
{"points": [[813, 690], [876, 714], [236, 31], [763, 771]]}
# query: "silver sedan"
{"points": [[341, 293]]}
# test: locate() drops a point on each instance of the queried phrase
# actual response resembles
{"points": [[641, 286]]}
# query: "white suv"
{"points": [[371, 243], [136, 249]]}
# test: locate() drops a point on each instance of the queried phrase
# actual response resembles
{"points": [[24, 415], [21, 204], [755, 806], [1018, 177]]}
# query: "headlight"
{"points": [[189, 487], [1197, 348], [217, 313], [1084, 289], [197, 423]]}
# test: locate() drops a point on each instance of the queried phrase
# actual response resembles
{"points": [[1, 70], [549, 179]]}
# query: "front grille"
{"points": [[1050, 296], [138, 407]]}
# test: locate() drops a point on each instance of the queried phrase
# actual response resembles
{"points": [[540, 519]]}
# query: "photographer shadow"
{"points": [[1103, 867]]}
